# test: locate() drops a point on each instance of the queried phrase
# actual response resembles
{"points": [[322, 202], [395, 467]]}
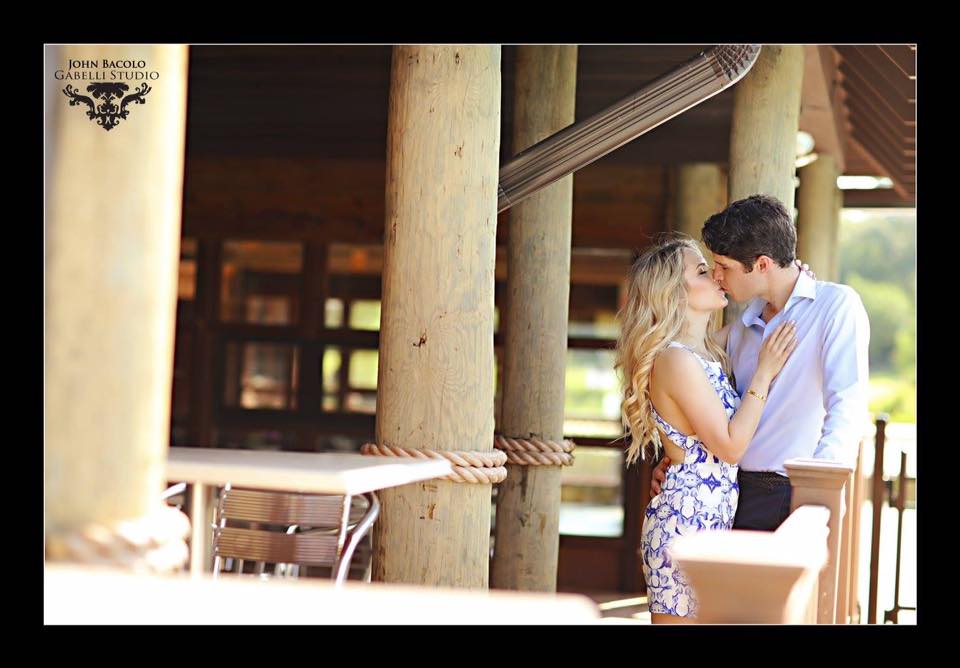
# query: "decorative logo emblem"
{"points": [[107, 113]]}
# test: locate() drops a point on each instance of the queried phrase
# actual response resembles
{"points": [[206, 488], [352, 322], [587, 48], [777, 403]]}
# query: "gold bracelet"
{"points": [[759, 396]]}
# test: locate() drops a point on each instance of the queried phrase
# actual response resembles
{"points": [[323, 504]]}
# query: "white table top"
{"points": [[91, 595], [311, 472]]}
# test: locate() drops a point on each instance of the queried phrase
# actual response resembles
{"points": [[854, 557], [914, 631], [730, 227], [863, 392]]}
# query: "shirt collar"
{"points": [[805, 288]]}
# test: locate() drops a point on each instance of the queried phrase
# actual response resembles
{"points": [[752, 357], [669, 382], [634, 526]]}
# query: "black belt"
{"points": [[768, 477]]}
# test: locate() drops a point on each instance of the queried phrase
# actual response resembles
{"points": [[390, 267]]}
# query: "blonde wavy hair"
{"points": [[652, 317]]}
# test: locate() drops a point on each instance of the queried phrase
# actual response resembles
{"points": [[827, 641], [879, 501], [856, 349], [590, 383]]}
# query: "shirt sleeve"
{"points": [[844, 360]]}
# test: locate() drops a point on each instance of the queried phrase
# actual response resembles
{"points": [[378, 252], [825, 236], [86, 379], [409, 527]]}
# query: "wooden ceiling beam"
{"points": [[817, 112], [895, 170], [869, 158], [902, 134], [855, 81], [903, 56], [869, 59], [894, 145], [879, 146], [875, 198]]}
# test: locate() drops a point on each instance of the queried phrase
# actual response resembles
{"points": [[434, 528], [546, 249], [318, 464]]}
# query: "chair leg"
{"points": [[342, 568]]}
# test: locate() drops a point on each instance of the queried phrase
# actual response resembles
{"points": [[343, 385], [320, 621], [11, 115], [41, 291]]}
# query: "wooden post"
{"points": [[763, 131], [112, 239], [821, 482], [817, 219], [858, 497], [526, 545], [879, 497], [435, 373], [756, 577], [834, 274], [846, 553], [700, 190]]}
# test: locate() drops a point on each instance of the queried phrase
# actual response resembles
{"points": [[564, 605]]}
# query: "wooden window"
{"points": [[261, 282], [260, 375]]}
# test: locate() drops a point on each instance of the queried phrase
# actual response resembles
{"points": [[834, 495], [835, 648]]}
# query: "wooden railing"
{"points": [[803, 573]]}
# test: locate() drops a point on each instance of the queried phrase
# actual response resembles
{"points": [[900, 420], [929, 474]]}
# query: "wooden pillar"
{"points": [[112, 239], [763, 131], [835, 245], [699, 191], [435, 382], [822, 482], [535, 352], [817, 219]]}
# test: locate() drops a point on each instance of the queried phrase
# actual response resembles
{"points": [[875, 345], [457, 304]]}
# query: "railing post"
{"points": [[858, 491], [879, 496], [846, 553], [823, 482], [756, 577]]}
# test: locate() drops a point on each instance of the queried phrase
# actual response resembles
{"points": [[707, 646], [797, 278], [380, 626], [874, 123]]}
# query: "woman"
{"points": [[677, 396]]}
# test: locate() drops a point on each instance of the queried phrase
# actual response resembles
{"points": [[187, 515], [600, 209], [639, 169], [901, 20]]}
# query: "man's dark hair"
{"points": [[751, 227]]}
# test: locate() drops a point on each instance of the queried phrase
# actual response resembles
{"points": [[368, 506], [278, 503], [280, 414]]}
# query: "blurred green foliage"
{"points": [[878, 260]]}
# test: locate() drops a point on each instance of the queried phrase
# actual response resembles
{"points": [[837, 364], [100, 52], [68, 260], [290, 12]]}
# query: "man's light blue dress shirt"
{"points": [[817, 405]]}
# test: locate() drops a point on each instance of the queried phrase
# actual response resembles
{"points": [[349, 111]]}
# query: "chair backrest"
{"points": [[312, 530], [312, 510], [276, 547]]}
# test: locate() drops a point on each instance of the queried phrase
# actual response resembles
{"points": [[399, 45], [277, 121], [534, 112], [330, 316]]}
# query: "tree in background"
{"points": [[878, 260]]}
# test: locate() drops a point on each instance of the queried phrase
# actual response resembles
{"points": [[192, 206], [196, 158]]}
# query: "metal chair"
{"points": [[174, 496], [290, 530]]}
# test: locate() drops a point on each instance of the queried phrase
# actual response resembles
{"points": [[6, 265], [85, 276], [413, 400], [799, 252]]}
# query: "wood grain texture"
{"points": [[614, 205], [112, 239], [763, 135], [535, 323], [699, 191], [817, 215], [435, 376]]}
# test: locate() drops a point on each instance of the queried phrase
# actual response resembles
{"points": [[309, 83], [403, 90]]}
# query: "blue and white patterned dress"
{"points": [[699, 493]]}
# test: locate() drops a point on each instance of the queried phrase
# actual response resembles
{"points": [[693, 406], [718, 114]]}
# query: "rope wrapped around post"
{"points": [[154, 543], [535, 451], [469, 466]]}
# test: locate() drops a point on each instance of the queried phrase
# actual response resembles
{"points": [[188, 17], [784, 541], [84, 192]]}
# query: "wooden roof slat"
{"points": [[883, 96], [897, 152], [880, 148], [869, 59], [878, 167], [903, 56], [888, 166], [900, 132], [877, 150], [896, 145]]}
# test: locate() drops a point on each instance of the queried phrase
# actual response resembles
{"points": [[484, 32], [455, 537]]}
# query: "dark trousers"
{"points": [[764, 500]]}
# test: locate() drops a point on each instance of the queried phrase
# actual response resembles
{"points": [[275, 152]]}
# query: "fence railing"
{"points": [[805, 572]]}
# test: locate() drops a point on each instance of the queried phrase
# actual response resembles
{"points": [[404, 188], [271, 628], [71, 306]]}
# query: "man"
{"points": [[817, 405]]}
